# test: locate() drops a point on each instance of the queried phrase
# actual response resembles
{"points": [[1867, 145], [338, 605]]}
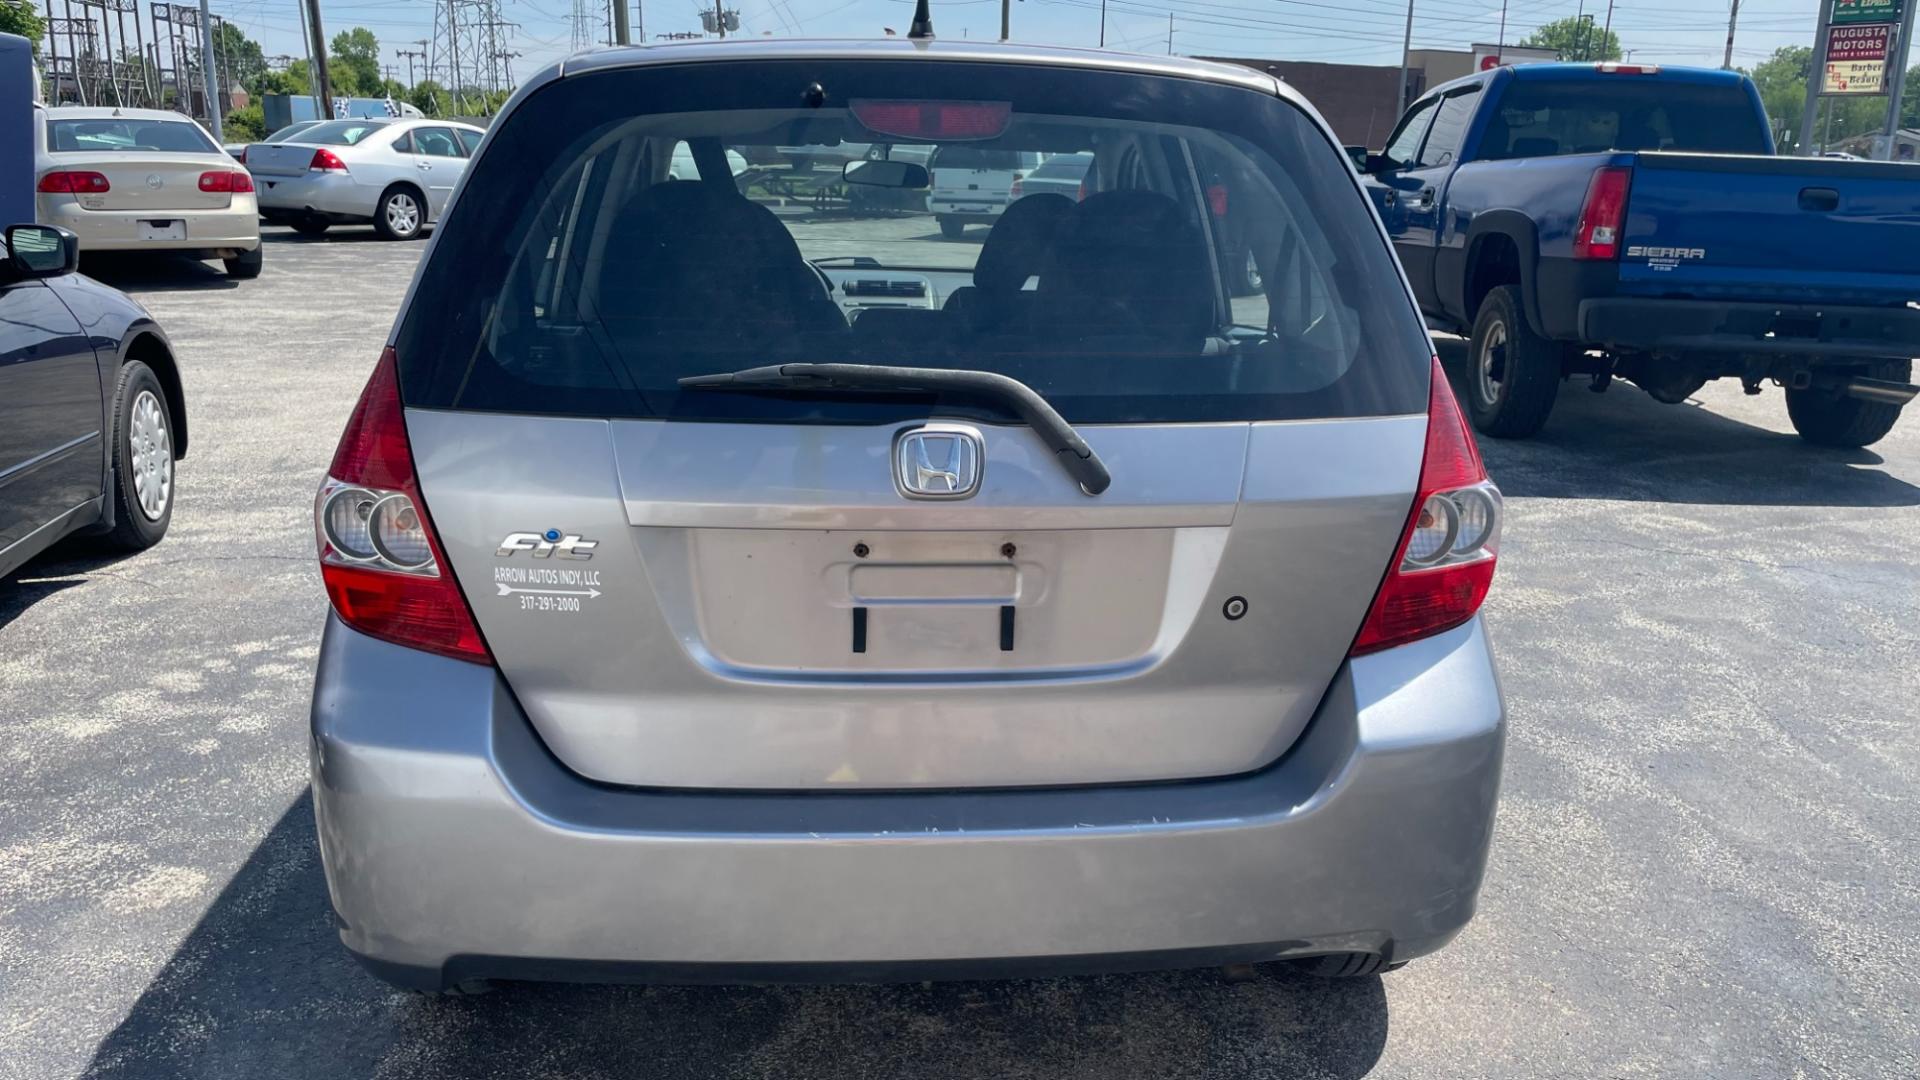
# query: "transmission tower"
{"points": [[582, 35]]}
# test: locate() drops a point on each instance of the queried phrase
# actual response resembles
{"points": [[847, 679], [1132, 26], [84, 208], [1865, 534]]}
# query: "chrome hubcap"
{"points": [[403, 214], [151, 449], [1491, 366]]}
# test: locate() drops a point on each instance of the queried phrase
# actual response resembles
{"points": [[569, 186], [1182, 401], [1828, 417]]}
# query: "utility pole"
{"points": [[1006, 19], [321, 85], [1817, 77], [620, 34], [209, 74], [1897, 58], [1103, 23], [1169, 33], [720, 17], [1406, 54], [1500, 49], [1733, 17], [410, 54]]}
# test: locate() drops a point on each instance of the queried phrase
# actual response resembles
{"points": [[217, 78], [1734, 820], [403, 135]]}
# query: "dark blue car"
{"points": [[91, 416]]}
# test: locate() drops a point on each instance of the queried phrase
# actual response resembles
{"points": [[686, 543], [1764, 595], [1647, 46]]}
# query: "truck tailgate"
{"points": [[1772, 228]]}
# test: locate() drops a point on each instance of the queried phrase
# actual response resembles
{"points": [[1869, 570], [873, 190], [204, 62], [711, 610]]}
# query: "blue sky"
{"points": [[1345, 31]]}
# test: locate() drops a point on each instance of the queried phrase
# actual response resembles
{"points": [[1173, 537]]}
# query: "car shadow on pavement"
{"points": [[1625, 445], [155, 272], [339, 234], [67, 565], [262, 988]]}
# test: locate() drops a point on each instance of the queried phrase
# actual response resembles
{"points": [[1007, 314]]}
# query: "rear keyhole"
{"points": [[860, 551], [1007, 551]]}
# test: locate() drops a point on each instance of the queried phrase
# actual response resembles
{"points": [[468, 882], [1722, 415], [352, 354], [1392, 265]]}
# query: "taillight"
{"points": [[74, 183], [1013, 194], [1444, 564], [1611, 68], [325, 160], [1603, 214], [224, 181], [241, 157], [384, 569], [1217, 200], [934, 121]]}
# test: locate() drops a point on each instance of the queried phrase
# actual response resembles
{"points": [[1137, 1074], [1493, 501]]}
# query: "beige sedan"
{"points": [[144, 180]]}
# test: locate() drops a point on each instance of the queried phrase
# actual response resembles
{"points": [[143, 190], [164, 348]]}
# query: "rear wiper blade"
{"points": [[1074, 454]]}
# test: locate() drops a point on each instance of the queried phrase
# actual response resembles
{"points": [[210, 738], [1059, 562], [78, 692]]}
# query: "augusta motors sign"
{"points": [[1858, 43]]}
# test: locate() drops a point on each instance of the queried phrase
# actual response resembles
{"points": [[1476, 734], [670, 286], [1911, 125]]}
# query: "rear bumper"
{"points": [[335, 196], [456, 847], [234, 228], [1757, 330]]}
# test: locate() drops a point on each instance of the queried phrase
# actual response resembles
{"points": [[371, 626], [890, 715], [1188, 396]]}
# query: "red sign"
{"points": [[1865, 42], [1488, 63]]}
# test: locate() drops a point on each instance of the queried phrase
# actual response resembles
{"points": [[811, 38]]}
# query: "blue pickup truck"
{"points": [[1603, 220]]}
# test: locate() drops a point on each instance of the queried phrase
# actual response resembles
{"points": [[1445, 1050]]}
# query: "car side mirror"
{"points": [[41, 251], [1358, 155], [891, 174]]}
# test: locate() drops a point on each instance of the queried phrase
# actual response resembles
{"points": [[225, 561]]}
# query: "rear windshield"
{"points": [[290, 131], [971, 157], [1070, 166], [340, 132], [1544, 119], [1221, 263], [147, 136]]}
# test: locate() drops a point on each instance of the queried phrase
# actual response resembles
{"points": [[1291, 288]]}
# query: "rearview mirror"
{"points": [[42, 251], [891, 174]]}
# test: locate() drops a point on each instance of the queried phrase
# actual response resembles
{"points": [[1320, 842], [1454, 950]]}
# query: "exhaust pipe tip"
{"points": [[1880, 390]]}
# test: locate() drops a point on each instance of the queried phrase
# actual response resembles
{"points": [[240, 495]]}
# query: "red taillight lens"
{"points": [[1217, 200], [1603, 214], [223, 181], [74, 183], [1444, 564], [384, 569], [325, 160], [950, 121]]}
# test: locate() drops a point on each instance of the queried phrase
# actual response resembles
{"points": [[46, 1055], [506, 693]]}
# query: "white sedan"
{"points": [[396, 175], [143, 180]]}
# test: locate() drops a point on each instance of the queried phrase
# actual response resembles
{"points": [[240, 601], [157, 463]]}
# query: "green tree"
{"points": [[22, 17], [237, 54], [431, 98], [1576, 39], [1782, 81], [245, 125], [354, 66], [291, 81]]}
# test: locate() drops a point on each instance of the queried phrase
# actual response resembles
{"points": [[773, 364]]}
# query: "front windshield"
{"points": [[1195, 273]]}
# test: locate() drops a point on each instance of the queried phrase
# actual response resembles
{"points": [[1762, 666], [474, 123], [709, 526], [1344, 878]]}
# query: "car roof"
{"points": [[1562, 72], [904, 48], [110, 112]]}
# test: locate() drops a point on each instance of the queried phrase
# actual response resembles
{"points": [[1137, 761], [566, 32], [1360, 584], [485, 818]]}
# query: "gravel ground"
{"points": [[1706, 863]]}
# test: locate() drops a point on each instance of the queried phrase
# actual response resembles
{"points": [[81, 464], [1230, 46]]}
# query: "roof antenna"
{"points": [[922, 28]]}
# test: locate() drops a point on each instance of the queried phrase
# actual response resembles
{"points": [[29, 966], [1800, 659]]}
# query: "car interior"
{"points": [[623, 277]]}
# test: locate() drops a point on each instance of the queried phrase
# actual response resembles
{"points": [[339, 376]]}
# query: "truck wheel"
{"points": [[952, 228], [1830, 418], [1515, 372], [247, 264]]}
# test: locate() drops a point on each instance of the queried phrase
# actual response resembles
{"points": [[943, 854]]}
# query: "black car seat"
{"points": [[1015, 250], [694, 267], [1128, 273]]}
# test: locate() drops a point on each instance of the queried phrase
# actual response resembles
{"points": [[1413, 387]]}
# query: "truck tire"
{"points": [[1829, 418], [1513, 373]]}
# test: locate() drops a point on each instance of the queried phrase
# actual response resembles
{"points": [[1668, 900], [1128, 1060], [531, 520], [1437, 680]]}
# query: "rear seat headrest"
{"points": [[1017, 247]]}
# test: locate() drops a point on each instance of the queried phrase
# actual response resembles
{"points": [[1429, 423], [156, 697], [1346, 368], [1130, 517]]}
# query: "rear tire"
{"points": [[401, 214], [1829, 418], [952, 228], [311, 227], [143, 486], [247, 265], [1514, 373]]}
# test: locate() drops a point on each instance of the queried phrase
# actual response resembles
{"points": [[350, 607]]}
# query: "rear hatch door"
{"points": [[1772, 228], [800, 589]]}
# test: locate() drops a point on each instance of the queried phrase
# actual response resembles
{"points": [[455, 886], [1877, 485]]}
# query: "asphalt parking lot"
{"points": [[1706, 862]]}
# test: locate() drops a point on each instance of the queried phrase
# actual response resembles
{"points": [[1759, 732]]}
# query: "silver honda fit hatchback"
{"points": [[729, 585]]}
